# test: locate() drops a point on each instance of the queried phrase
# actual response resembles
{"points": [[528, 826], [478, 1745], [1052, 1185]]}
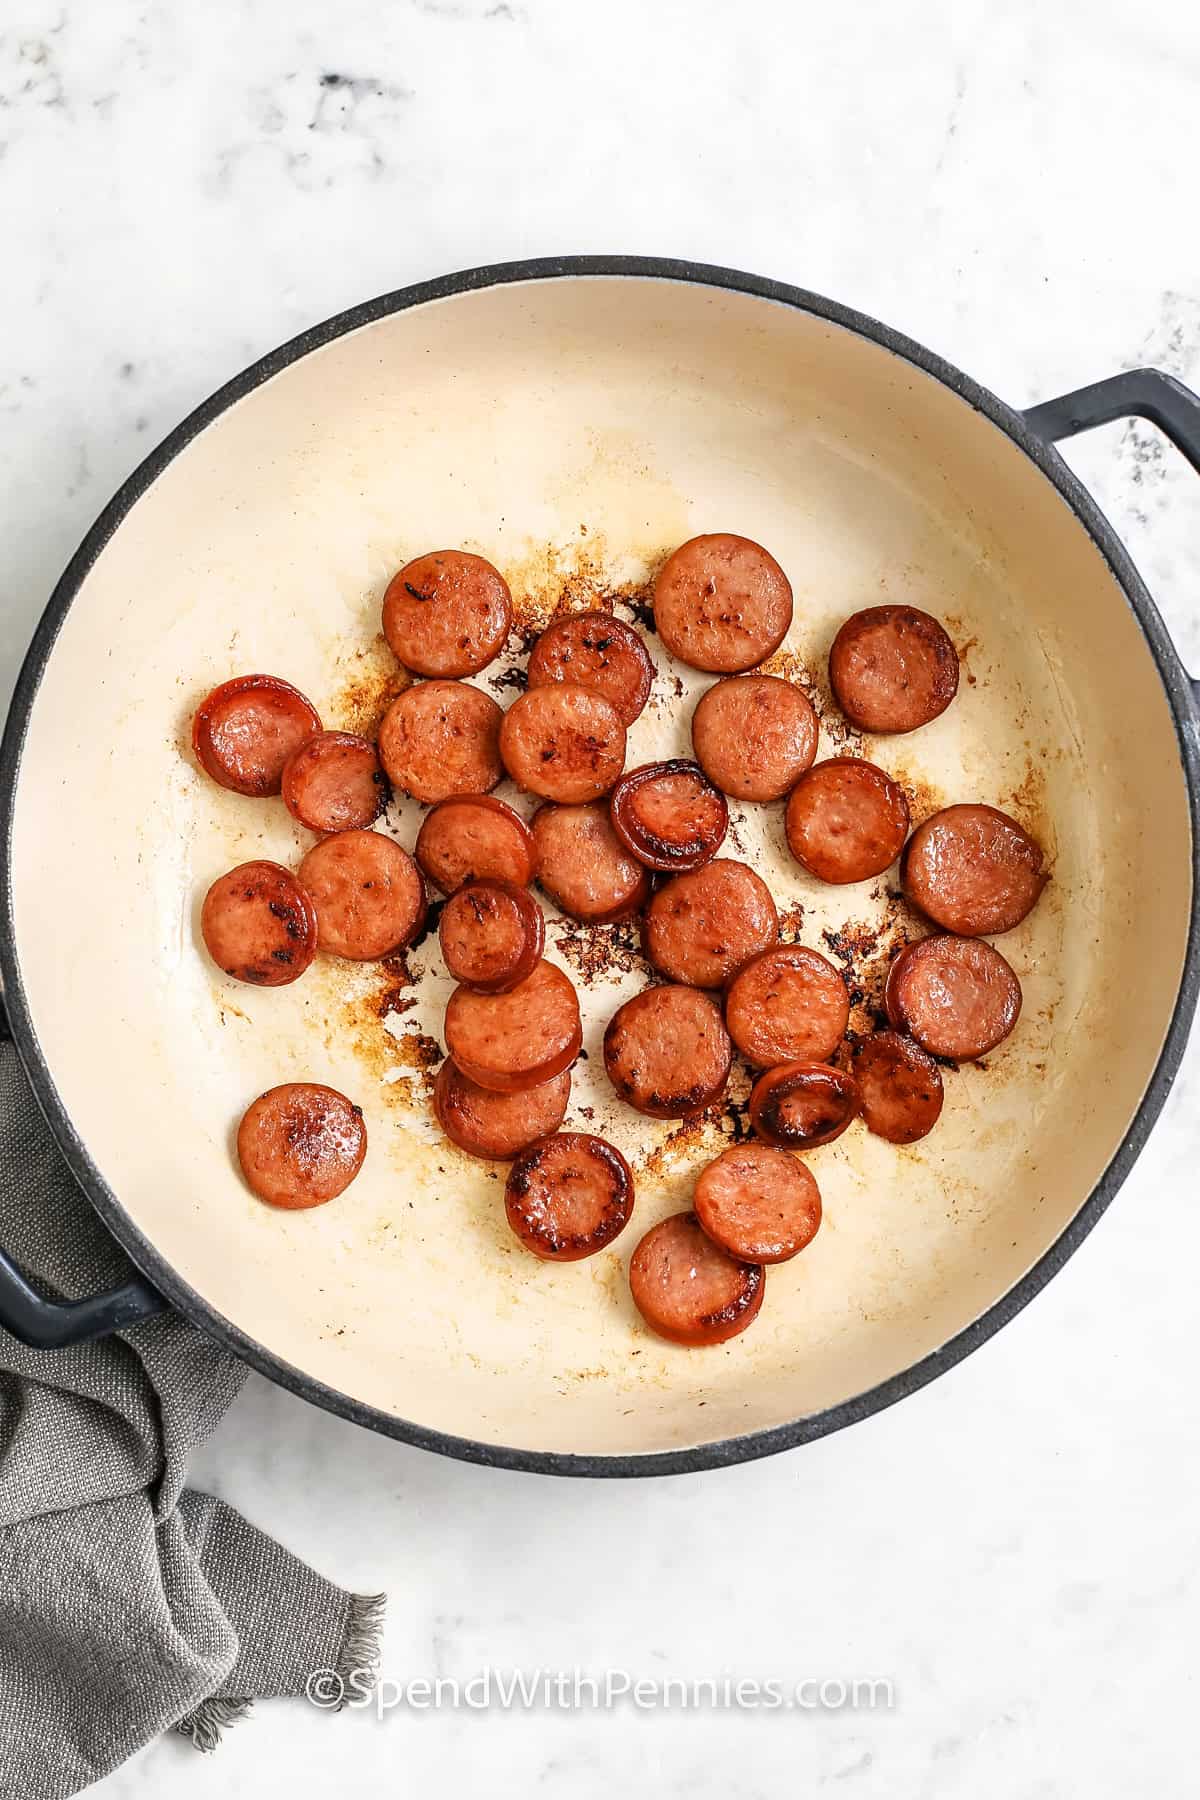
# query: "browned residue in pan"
{"points": [[372, 680]]}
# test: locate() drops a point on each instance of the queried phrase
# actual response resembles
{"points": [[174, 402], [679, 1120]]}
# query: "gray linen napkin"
{"points": [[129, 1605]]}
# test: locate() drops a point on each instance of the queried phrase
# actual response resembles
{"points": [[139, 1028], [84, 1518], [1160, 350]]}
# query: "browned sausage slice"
{"points": [[788, 1005], [368, 893], [957, 996], [334, 782], [846, 820], [473, 837], [568, 1195], [517, 1040], [973, 870], [447, 613], [702, 926], [497, 1126], [441, 738], [802, 1104], [892, 668], [301, 1144], [687, 1289], [597, 652], [758, 1203], [584, 867], [754, 736], [259, 925], [492, 933], [722, 603], [563, 742], [246, 729], [900, 1088], [667, 1052], [669, 815]]}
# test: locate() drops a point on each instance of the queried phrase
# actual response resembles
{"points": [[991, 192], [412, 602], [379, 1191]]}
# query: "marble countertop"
{"points": [[1015, 1548]]}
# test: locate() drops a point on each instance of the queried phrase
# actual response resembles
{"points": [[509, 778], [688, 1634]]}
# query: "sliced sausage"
{"points": [[702, 926], [583, 865], [846, 820], [957, 996], [900, 1088], [568, 1195], [758, 1203], [892, 668], [788, 1005], [473, 837], [492, 933], [688, 1289], [754, 736], [597, 652], [722, 603], [669, 815], [258, 924], [246, 729], [802, 1104], [301, 1144], [447, 613], [667, 1052], [368, 893], [517, 1040], [334, 782], [497, 1126], [973, 870], [563, 742], [441, 738]]}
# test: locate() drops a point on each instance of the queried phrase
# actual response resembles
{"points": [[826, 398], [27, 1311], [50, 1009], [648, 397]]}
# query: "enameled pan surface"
{"points": [[573, 431]]}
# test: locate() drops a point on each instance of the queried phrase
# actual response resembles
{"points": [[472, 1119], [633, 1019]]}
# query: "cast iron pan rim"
{"points": [[142, 1251]]}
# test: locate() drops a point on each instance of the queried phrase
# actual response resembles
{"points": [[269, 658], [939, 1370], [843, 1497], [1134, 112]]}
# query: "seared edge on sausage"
{"points": [[568, 1195]]}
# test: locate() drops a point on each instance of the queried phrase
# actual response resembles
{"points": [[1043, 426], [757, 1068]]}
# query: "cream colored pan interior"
{"points": [[573, 432]]}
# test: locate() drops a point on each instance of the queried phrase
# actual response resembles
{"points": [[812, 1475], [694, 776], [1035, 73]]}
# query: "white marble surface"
{"points": [[182, 187]]}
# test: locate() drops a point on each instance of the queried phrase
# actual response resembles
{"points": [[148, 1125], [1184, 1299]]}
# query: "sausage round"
{"points": [[892, 668], [563, 742], [595, 651], [754, 736], [722, 603], [301, 1144], [846, 820], [758, 1203], [900, 1088], [516, 1040], [245, 730], [702, 926], [583, 865], [441, 738], [688, 1289], [492, 933], [473, 837], [788, 1005], [368, 893], [568, 1195], [972, 870], [802, 1104], [667, 1052], [334, 782], [497, 1126], [259, 925], [957, 996], [447, 613], [669, 815]]}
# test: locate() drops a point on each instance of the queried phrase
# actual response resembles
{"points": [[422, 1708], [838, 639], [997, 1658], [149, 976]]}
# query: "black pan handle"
{"points": [[1137, 394], [52, 1324]]}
